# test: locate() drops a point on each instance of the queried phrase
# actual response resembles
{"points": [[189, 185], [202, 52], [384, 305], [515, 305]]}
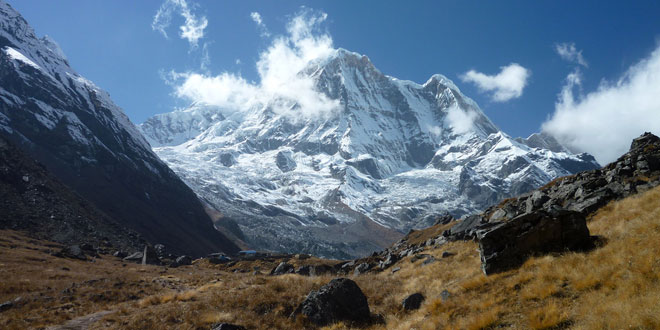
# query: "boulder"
{"points": [[218, 258], [507, 245], [120, 254], [320, 270], [429, 260], [340, 300], [282, 268], [183, 261], [448, 254], [361, 269], [445, 295], [413, 301], [150, 256], [465, 229], [304, 270], [134, 257], [73, 252], [390, 260]]}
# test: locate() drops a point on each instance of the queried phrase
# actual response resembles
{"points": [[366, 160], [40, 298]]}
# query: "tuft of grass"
{"points": [[547, 317]]}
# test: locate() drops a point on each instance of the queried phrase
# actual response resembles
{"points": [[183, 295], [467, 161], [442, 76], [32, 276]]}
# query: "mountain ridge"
{"points": [[396, 152], [72, 126]]}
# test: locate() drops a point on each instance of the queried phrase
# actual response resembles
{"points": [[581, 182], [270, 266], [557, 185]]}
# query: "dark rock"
{"points": [[183, 261], [282, 268], [428, 260], [535, 201], [443, 220], [73, 252], [149, 256], [339, 300], [413, 301], [507, 245], [448, 254], [285, 162], [320, 270], [228, 326], [6, 306], [390, 259], [444, 295], [304, 270], [120, 254], [465, 229], [160, 250]]}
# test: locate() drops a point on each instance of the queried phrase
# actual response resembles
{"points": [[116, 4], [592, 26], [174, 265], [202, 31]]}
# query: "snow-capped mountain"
{"points": [[73, 127], [394, 156]]}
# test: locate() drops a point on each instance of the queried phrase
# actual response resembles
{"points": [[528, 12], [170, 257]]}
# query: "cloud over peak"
{"points": [[504, 86], [604, 121], [281, 87], [193, 28]]}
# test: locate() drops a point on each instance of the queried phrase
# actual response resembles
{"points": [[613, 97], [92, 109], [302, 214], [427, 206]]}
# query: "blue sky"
{"points": [[113, 44]]}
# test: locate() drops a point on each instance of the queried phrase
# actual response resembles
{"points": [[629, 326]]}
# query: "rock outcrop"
{"points": [[553, 217], [339, 300]]}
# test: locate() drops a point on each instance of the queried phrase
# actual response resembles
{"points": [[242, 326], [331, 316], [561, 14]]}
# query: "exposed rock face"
{"points": [[339, 300], [72, 126], [552, 218], [506, 245]]}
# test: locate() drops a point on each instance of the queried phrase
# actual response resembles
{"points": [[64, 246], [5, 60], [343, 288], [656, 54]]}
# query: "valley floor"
{"points": [[615, 286]]}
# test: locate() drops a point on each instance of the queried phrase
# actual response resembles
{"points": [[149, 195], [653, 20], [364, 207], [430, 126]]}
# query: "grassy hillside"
{"points": [[615, 286]]}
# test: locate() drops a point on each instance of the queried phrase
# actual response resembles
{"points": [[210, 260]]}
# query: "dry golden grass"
{"points": [[615, 286]]}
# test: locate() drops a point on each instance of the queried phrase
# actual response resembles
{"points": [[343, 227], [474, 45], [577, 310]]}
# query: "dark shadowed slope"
{"points": [[73, 128]]}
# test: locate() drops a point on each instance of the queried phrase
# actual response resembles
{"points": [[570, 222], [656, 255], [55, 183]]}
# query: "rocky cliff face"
{"points": [[73, 127], [393, 156]]}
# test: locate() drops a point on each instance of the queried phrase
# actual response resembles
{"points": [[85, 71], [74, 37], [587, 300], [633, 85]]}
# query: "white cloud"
{"points": [[604, 122], [568, 52], [461, 121], [281, 88], [193, 27], [506, 85], [256, 17]]}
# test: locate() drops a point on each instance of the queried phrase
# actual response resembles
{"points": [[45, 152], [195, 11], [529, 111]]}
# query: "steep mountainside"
{"points": [[73, 127], [394, 156], [32, 200]]}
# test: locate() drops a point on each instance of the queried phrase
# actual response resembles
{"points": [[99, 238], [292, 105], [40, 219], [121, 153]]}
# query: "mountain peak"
{"points": [[393, 156]]}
